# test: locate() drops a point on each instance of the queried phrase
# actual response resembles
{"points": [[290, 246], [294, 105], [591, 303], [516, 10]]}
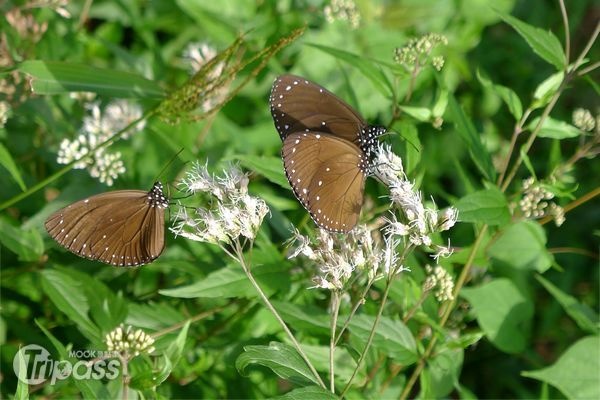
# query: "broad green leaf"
{"points": [[444, 371], [281, 358], [391, 337], [269, 167], [7, 162], [26, 244], [441, 103], [502, 312], [583, 315], [554, 129], [542, 42], [308, 393], [419, 113], [368, 68], [545, 90], [54, 77], [506, 94], [485, 206], [344, 364], [231, 282], [304, 318], [153, 316], [471, 138], [89, 388], [522, 246], [575, 373], [68, 296]]}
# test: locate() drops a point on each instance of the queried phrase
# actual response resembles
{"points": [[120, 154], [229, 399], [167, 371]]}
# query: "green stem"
{"points": [[386, 292], [265, 300], [335, 308]]}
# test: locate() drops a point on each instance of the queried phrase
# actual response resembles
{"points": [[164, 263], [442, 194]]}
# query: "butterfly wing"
{"points": [[123, 228], [327, 176], [299, 105]]}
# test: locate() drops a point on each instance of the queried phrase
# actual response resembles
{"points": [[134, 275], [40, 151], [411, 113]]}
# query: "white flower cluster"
{"points": [[438, 278], [415, 221], [418, 50], [129, 341], [344, 10], [97, 128], [584, 120], [535, 202], [232, 211], [198, 55]]}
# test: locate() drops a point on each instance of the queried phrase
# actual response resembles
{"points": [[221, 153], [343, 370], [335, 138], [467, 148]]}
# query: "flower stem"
{"points": [[265, 299], [386, 291], [335, 308]]}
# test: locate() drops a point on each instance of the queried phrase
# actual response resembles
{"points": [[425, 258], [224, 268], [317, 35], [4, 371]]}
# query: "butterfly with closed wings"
{"points": [[326, 150], [122, 228]]}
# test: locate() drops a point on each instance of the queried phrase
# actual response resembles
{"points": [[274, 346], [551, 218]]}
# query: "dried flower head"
{"points": [[228, 213], [440, 280], [129, 342], [343, 10], [97, 128]]}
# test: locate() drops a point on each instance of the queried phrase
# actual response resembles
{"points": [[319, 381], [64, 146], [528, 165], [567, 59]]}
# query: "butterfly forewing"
{"points": [[299, 105], [123, 228], [325, 176]]}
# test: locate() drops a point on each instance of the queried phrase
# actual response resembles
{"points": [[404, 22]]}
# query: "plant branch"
{"points": [[335, 308]]}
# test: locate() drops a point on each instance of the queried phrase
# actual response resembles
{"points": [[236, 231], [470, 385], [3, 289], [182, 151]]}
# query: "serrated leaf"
{"points": [[8, 163], [554, 129], [522, 246], [471, 138], [586, 318], [502, 312], [542, 42], [68, 296], [282, 359], [487, 206], [367, 67], [391, 337], [54, 77], [575, 373]]}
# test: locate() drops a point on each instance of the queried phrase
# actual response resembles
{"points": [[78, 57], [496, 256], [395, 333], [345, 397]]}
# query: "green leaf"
{"points": [[522, 246], [575, 373], [485, 206], [548, 88], [7, 162], [554, 129], [542, 42], [391, 337], [583, 315], [231, 282], [444, 370], [502, 312], [26, 244], [305, 317], [471, 138], [269, 167], [22, 392], [54, 77], [507, 95], [344, 364], [441, 103], [282, 359], [68, 296], [419, 113], [308, 393], [368, 68]]}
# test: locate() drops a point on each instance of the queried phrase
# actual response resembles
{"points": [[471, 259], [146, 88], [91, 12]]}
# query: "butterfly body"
{"points": [[121, 228], [326, 150]]}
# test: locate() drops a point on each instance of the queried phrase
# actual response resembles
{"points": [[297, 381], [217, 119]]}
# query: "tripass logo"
{"points": [[39, 367]]}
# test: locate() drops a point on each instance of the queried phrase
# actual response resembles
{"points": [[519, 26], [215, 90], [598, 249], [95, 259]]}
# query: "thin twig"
{"points": [[335, 308]]}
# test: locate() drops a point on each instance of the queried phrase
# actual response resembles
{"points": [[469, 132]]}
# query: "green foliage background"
{"points": [[58, 300]]}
